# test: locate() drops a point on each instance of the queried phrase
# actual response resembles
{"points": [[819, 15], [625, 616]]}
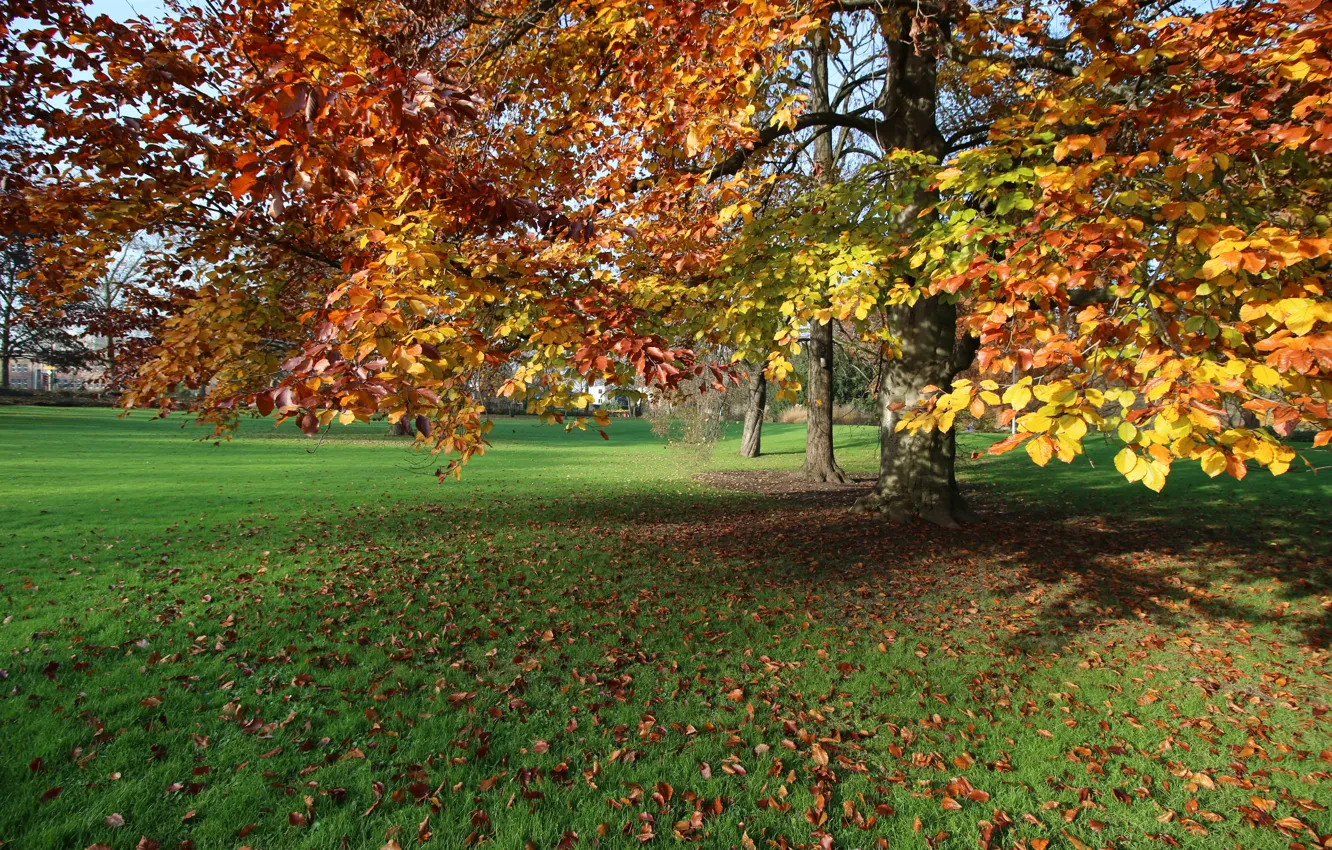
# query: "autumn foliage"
{"points": [[364, 210], [361, 209], [1149, 247]]}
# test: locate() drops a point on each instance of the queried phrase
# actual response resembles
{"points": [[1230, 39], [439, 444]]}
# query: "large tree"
{"points": [[920, 79], [982, 231], [355, 210], [388, 199], [1149, 247]]}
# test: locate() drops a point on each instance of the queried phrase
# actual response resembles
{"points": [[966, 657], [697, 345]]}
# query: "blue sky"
{"points": [[124, 9]]}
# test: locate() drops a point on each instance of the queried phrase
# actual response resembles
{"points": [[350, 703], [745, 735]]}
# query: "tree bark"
{"points": [[820, 464], [916, 468], [752, 441], [403, 428]]}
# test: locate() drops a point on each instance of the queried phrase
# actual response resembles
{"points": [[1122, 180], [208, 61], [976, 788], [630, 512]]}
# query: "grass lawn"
{"points": [[581, 645]]}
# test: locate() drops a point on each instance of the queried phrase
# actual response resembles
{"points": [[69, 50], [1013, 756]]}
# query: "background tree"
{"points": [[756, 405], [29, 330]]}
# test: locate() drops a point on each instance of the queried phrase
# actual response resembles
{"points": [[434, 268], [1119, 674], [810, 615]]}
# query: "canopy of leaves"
{"points": [[360, 209]]}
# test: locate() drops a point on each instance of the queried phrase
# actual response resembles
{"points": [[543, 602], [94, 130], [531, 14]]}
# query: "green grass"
{"points": [[206, 639]]}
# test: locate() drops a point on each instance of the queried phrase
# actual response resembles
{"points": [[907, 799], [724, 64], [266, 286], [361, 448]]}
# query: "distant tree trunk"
{"points": [[820, 465], [916, 468], [1239, 417], [403, 428], [5, 349], [751, 442]]}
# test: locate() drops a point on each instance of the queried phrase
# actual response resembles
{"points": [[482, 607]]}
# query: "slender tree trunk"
{"points": [[6, 350], [110, 360], [751, 442], [820, 464], [916, 468]]}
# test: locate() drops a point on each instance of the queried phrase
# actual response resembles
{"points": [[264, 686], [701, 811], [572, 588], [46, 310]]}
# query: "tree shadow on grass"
{"points": [[1060, 571]]}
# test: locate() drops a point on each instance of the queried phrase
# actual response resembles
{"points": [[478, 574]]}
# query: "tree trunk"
{"points": [[819, 462], [916, 477], [5, 349], [820, 465], [751, 442], [916, 468], [403, 428]]}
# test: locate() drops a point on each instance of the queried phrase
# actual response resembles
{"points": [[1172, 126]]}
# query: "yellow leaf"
{"points": [[1155, 475], [1036, 423], [1266, 375], [1125, 461], [1041, 450], [1301, 321], [1072, 427], [1017, 396], [691, 143], [1213, 462]]}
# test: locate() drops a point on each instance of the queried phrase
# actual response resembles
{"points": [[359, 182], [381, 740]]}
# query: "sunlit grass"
{"points": [[199, 638]]}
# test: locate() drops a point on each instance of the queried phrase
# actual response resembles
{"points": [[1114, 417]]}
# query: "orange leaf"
{"points": [[1010, 443]]}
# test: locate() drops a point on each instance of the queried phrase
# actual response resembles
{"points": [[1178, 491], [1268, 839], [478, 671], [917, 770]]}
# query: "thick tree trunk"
{"points": [[403, 428], [820, 464], [916, 468], [916, 477], [752, 441]]}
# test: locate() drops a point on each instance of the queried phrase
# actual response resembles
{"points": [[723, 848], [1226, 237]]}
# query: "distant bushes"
{"points": [[56, 398]]}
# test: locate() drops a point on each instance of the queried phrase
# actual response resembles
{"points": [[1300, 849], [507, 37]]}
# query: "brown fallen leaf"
{"points": [[820, 755], [115, 821], [1073, 841]]}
